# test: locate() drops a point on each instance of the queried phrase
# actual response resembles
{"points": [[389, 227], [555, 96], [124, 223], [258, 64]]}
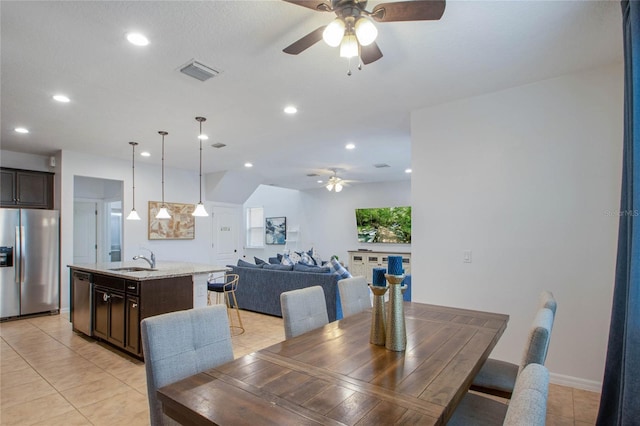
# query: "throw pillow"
{"points": [[274, 261], [295, 257], [246, 264], [286, 260], [300, 267], [338, 269], [315, 256], [279, 267], [305, 259], [258, 261]]}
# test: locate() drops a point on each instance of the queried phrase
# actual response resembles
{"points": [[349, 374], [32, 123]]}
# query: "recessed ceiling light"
{"points": [[137, 39], [203, 137], [145, 154], [61, 98], [290, 109], [319, 181], [248, 165], [350, 146], [21, 130], [407, 170]]}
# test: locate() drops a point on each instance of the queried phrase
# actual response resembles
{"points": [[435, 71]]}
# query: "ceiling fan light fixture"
{"points": [[365, 31], [349, 46], [338, 187], [333, 33]]}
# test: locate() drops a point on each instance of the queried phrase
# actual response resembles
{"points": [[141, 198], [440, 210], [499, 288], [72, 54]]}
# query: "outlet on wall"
{"points": [[466, 256]]}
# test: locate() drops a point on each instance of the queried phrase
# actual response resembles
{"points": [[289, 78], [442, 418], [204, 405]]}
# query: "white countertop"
{"points": [[162, 269]]}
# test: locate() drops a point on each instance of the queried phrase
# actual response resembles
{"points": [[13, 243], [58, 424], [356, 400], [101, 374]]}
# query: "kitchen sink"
{"points": [[132, 269]]}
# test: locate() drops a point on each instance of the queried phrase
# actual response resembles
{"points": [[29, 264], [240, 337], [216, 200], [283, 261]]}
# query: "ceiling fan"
{"points": [[335, 183], [353, 30]]}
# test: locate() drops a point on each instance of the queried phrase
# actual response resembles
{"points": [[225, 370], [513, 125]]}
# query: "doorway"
{"points": [[98, 220]]}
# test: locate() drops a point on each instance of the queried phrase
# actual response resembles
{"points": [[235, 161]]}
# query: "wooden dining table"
{"points": [[334, 376]]}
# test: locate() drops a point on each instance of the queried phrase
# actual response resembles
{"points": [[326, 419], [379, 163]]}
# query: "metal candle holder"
{"points": [[396, 332], [377, 335]]}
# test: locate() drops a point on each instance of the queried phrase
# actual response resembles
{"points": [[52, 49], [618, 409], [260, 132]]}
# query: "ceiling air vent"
{"points": [[218, 145], [381, 165], [312, 174], [199, 71]]}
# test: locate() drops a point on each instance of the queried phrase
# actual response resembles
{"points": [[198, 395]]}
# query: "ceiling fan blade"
{"points": [[417, 10], [312, 4], [305, 42], [370, 53]]}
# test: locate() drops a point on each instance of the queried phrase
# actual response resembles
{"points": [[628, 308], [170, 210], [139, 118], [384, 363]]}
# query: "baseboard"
{"points": [[64, 310], [575, 382]]}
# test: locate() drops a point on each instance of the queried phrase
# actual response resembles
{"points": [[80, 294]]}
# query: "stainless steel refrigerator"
{"points": [[29, 262]]}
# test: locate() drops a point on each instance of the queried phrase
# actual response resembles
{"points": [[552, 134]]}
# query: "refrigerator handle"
{"points": [[21, 254], [17, 253]]}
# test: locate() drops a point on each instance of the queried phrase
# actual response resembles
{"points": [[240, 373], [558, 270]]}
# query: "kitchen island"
{"points": [[108, 300]]}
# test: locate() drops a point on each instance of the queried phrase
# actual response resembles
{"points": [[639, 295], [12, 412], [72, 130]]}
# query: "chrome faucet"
{"points": [[151, 262]]}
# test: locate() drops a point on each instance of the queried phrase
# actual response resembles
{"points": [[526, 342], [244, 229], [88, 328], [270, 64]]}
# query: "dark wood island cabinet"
{"points": [[119, 302]]}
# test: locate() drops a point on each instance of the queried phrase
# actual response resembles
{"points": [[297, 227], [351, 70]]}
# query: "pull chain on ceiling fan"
{"points": [[353, 30]]}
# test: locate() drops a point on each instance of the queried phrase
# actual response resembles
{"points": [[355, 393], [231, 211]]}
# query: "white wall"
{"points": [[181, 186], [327, 220], [525, 178]]}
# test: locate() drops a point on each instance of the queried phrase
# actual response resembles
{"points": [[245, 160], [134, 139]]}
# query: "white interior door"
{"points": [[85, 238], [225, 242]]}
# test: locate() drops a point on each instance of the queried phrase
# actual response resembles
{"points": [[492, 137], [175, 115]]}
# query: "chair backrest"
{"points": [[528, 405], [180, 344], [535, 350], [303, 310], [354, 295], [548, 301]]}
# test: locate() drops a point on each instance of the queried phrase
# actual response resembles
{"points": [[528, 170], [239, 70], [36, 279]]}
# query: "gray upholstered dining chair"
{"points": [[499, 377], [180, 344], [528, 406], [303, 310], [355, 295]]}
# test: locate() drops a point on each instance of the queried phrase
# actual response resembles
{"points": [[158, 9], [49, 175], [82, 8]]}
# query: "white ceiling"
{"points": [[121, 92]]}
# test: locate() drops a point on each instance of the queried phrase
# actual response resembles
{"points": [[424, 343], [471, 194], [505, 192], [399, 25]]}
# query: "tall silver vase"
{"points": [[377, 335], [396, 332]]}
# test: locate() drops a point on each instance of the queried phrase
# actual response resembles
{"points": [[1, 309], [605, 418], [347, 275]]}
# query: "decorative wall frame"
{"points": [[181, 226], [275, 230]]}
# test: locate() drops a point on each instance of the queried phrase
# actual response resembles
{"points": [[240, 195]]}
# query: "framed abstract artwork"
{"points": [[181, 226], [275, 230]]}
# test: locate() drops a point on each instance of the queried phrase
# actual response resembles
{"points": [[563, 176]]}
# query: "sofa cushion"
{"points": [[246, 264], [280, 267], [300, 267], [338, 269], [258, 261]]}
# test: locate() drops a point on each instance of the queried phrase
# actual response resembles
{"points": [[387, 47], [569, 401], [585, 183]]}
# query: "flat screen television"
{"points": [[384, 225]]}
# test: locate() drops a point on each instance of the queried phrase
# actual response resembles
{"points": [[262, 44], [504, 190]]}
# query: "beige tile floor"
{"points": [[52, 376]]}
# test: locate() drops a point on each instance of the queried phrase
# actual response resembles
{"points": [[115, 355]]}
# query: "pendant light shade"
{"points": [[200, 210], [163, 213], [134, 214]]}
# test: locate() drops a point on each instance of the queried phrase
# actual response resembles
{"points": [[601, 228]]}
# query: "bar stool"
{"points": [[225, 287]]}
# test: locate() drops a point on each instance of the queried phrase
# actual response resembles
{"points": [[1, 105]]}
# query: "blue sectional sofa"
{"points": [[259, 289]]}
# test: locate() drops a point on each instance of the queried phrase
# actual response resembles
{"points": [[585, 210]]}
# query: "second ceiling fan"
{"points": [[353, 30]]}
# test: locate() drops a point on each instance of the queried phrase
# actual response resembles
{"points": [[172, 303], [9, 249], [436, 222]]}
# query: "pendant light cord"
{"points": [[163, 133], [200, 139], [133, 173]]}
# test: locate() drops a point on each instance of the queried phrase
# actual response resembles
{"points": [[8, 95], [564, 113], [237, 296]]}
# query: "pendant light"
{"points": [[200, 210], [163, 213], [134, 214]]}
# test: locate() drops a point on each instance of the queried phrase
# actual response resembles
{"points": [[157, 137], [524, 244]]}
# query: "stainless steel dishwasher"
{"points": [[82, 302]]}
